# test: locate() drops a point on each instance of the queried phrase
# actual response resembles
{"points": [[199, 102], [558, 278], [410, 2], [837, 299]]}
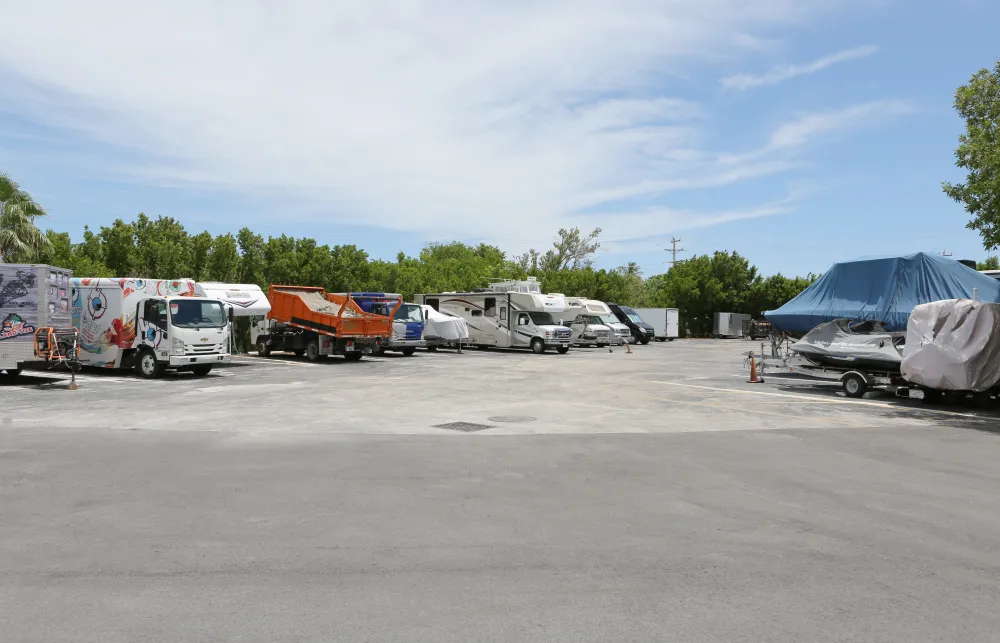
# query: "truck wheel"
{"points": [[148, 366], [643, 340], [262, 348], [432, 349], [312, 351], [202, 371], [409, 351], [378, 351], [354, 356], [563, 350], [537, 345], [854, 385]]}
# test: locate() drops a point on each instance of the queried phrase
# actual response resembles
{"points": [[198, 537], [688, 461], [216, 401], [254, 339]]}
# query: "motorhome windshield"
{"points": [[197, 313], [409, 313], [542, 319], [609, 319]]}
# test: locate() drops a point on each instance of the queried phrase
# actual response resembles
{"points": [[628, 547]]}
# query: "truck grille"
{"points": [[564, 333], [601, 333], [201, 349]]}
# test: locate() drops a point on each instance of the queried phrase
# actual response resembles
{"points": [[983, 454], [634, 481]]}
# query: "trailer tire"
{"points": [[537, 346], [12, 372], [148, 366], [562, 350], [312, 351], [203, 370], [983, 401], [353, 356], [854, 385], [931, 396], [263, 350], [409, 351]]}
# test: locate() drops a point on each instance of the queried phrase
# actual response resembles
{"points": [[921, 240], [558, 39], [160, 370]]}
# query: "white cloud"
{"points": [[467, 119], [788, 72]]}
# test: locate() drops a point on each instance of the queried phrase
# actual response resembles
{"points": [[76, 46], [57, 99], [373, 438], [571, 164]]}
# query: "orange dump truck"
{"points": [[308, 321]]}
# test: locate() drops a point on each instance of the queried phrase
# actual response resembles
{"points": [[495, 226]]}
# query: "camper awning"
{"points": [[246, 299]]}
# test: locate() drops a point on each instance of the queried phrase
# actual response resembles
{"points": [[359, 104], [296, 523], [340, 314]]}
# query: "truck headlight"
{"points": [[177, 346]]}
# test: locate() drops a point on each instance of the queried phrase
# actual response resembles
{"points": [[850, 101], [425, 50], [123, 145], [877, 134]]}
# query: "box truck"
{"points": [[32, 296], [149, 325]]}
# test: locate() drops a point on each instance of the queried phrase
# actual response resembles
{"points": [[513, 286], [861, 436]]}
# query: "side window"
{"points": [[476, 312], [503, 314], [522, 320], [491, 307], [433, 303], [155, 313]]}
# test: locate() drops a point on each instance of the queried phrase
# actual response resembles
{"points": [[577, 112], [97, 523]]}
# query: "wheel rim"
{"points": [[853, 386], [148, 364]]}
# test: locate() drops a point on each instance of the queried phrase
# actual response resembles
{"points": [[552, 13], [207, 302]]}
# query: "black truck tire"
{"points": [[312, 351], [263, 349]]}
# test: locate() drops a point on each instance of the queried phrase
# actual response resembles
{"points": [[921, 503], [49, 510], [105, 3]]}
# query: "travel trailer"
{"points": [[508, 314], [663, 320], [149, 325]]}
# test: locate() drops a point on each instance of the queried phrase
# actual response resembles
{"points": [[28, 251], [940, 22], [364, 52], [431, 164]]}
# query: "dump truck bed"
{"points": [[326, 313]]}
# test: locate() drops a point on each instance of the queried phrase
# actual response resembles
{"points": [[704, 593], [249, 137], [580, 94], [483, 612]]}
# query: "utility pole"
{"points": [[673, 251]]}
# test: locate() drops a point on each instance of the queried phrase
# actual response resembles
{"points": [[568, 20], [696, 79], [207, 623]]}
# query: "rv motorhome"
{"points": [[591, 323], [508, 314]]}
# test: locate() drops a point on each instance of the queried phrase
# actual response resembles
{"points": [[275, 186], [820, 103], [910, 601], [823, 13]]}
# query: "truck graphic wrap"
{"points": [[18, 302]]}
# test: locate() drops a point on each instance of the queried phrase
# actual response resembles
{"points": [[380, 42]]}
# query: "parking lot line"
{"points": [[812, 400], [274, 360]]}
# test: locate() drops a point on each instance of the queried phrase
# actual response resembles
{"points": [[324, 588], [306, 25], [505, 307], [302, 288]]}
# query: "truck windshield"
{"points": [[197, 313], [409, 313], [542, 319]]}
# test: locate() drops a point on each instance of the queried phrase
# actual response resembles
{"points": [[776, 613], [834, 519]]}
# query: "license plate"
{"points": [[349, 346]]}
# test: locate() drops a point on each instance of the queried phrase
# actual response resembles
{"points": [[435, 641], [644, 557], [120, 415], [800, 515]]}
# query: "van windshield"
{"points": [[542, 319], [409, 313], [632, 315], [197, 313]]}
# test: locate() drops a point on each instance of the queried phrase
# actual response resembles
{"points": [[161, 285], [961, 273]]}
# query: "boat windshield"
{"points": [[197, 313], [409, 313], [542, 319]]}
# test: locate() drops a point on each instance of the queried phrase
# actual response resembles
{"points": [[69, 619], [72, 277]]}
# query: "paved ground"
{"points": [[654, 497]]}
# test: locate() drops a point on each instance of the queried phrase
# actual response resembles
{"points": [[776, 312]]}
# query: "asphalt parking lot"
{"points": [[493, 496]]}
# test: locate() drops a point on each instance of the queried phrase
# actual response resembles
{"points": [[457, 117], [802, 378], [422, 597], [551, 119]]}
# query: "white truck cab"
{"points": [[590, 330]]}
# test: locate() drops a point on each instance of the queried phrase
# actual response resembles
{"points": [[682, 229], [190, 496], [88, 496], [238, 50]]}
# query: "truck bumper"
{"points": [[556, 343], [178, 361], [398, 344]]}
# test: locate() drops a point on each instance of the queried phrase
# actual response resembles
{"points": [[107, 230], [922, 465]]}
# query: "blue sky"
{"points": [[796, 132]]}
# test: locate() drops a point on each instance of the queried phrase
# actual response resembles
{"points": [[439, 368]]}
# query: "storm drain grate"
{"points": [[511, 418], [465, 427]]}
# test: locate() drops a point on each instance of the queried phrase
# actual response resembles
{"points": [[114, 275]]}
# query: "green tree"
{"points": [[117, 249], [571, 251], [201, 248], [991, 263], [252, 267], [223, 262], [163, 248], [20, 238], [978, 103]]}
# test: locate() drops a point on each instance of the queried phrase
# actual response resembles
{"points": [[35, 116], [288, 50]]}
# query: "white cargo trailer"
{"points": [[32, 296], [728, 325], [664, 322]]}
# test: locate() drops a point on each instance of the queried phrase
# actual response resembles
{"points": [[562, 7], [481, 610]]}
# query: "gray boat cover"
{"points": [[441, 326], [859, 345], [953, 345]]}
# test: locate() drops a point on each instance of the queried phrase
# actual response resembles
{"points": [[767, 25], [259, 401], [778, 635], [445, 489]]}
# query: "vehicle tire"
{"points": [[12, 372], [854, 385], [983, 401], [643, 340], [670, 339], [312, 351], [931, 396], [432, 349], [203, 370], [409, 351], [378, 351], [299, 352], [562, 350], [537, 346], [353, 356], [263, 349], [148, 366], [602, 345]]}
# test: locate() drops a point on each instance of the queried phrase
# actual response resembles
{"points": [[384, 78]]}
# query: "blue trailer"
{"points": [[407, 325]]}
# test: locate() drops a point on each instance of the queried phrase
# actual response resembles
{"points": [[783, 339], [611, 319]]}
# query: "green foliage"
{"points": [[991, 263], [162, 249], [20, 239], [978, 103]]}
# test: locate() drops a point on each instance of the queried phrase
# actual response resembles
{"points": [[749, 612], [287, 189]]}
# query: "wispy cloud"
{"points": [[473, 118], [788, 72]]}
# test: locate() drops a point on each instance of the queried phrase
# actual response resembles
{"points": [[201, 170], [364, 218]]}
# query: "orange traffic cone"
{"points": [[753, 372]]}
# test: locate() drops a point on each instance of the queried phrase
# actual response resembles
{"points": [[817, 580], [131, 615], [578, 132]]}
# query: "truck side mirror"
{"points": [[229, 312]]}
